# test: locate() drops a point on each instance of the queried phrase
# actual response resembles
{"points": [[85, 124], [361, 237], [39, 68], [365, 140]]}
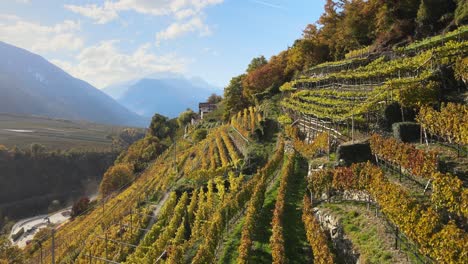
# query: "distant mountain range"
{"points": [[166, 94], [29, 84]]}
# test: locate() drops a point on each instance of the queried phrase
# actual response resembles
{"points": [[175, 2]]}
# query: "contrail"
{"points": [[267, 4]]}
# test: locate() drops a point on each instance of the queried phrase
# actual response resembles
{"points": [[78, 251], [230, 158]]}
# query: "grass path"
{"points": [[262, 251], [368, 233], [296, 246]]}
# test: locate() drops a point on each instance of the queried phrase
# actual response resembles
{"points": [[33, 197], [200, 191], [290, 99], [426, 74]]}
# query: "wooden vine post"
{"points": [[53, 246]]}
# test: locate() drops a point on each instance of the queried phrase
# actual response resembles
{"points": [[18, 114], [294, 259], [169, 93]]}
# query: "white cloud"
{"points": [[40, 38], [177, 29], [211, 51], [187, 14], [109, 10], [23, 1], [101, 15], [103, 64]]}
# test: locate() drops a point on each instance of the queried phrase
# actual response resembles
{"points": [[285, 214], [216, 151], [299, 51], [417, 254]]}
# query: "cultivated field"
{"points": [[55, 134]]}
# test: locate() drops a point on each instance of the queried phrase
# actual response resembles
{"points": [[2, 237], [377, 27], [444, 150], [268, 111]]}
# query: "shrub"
{"points": [[140, 153], [406, 131], [199, 135], [18, 234], [116, 177], [256, 157], [80, 206], [354, 153]]}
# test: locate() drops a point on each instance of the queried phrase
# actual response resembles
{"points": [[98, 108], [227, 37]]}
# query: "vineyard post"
{"points": [[399, 179], [420, 134], [121, 236], [175, 157], [131, 220], [311, 197], [53, 246], [105, 237], [396, 237], [40, 245], [368, 202], [427, 186], [227, 219], [352, 128], [328, 143]]}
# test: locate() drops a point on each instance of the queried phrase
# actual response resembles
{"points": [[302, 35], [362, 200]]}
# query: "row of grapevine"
{"points": [[246, 121], [277, 237], [418, 162], [315, 235], [86, 229], [448, 191], [334, 66], [117, 236], [212, 157], [384, 73], [188, 218], [358, 52], [233, 151], [383, 69], [163, 231], [153, 233], [458, 34], [443, 241], [256, 203], [222, 152], [450, 123], [111, 212], [340, 102], [356, 58], [232, 205], [121, 219], [320, 143]]}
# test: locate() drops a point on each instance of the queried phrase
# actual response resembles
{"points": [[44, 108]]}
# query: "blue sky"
{"points": [[110, 41]]}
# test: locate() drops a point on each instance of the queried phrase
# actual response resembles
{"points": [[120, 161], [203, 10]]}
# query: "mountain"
{"points": [[29, 84], [164, 94], [117, 90]]}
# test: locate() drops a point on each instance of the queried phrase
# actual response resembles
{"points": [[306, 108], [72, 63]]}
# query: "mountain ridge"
{"points": [[166, 95], [32, 85]]}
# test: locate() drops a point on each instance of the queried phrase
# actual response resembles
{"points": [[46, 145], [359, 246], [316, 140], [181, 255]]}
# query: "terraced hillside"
{"points": [[360, 160]]}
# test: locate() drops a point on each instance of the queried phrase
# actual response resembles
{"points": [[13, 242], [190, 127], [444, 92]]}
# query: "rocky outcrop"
{"points": [[342, 246]]}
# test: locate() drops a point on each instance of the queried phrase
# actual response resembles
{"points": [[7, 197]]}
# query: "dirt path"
{"points": [[155, 213]]}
